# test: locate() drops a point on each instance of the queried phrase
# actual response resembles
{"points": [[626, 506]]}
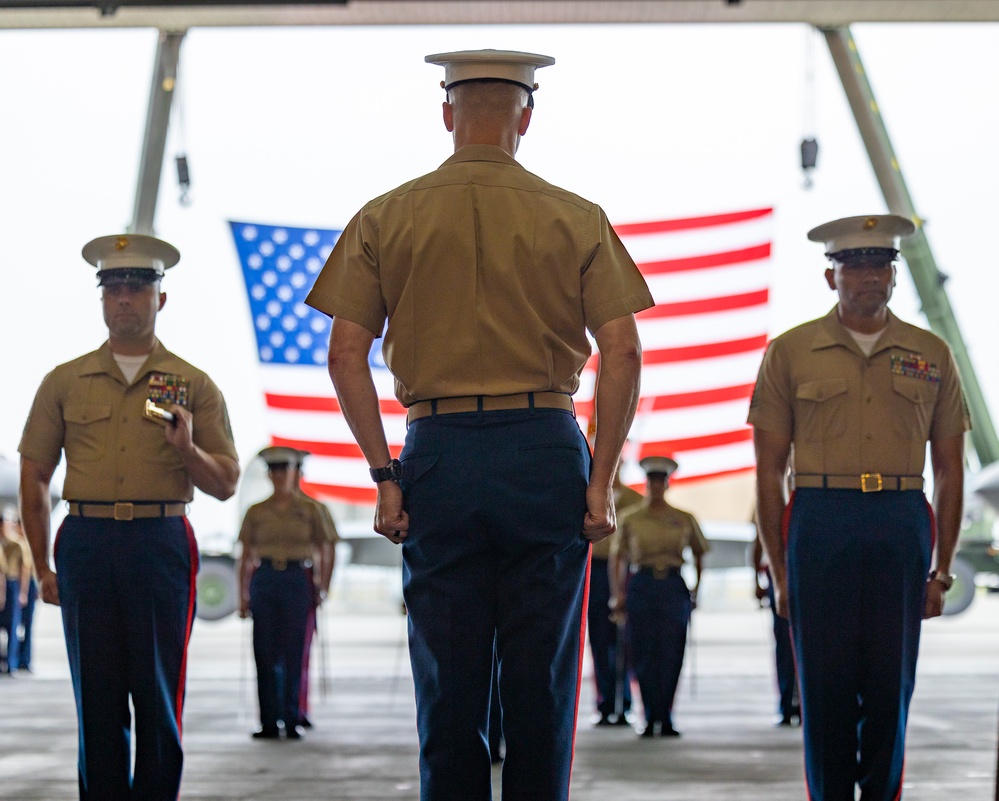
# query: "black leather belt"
{"points": [[126, 510], [490, 403], [284, 564], [865, 482], [655, 572]]}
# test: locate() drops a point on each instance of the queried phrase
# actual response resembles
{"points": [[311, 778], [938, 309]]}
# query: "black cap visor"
{"points": [[134, 276]]}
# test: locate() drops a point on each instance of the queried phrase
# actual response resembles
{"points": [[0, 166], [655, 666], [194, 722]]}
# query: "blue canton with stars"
{"points": [[280, 265]]}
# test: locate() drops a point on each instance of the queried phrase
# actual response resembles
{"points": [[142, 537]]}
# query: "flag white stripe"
{"points": [[701, 329], [700, 374], [695, 242], [693, 421], [710, 282]]}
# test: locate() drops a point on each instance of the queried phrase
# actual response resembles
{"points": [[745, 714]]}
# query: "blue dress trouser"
{"points": [[496, 502], [658, 614], [857, 566], [127, 591], [604, 643], [787, 678], [10, 619], [280, 602], [27, 618]]}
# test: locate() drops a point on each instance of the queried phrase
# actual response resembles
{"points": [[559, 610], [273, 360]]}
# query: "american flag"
{"points": [[703, 342]]}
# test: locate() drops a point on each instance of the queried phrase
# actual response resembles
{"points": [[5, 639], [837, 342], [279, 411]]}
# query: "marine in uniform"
{"points": [[141, 428], [17, 574], [848, 402], [322, 581], [647, 553], [25, 593], [607, 649], [489, 278], [280, 566]]}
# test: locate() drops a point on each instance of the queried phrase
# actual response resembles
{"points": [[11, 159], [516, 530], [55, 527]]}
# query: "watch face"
{"points": [[391, 472]]}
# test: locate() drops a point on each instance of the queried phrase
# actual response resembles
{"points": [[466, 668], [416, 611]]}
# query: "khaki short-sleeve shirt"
{"points": [[14, 557], [657, 538], [113, 452], [329, 527], [489, 278], [292, 532], [847, 413]]}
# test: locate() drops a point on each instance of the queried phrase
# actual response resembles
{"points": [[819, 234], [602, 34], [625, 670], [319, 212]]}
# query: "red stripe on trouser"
{"points": [[192, 595], [579, 661], [933, 526]]}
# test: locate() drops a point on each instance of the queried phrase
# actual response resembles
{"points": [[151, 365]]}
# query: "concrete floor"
{"points": [[364, 743]]}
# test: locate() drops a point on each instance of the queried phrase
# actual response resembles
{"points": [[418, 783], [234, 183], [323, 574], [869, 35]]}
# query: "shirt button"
{"points": [[868, 436]]}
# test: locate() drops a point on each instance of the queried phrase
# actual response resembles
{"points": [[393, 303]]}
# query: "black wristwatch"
{"points": [[391, 472], [946, 579]]}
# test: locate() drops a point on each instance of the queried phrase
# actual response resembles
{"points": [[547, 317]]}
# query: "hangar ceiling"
{"points": [[177, 16]]}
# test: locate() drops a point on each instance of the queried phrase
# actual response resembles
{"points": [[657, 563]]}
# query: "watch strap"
{"points": [[946, 579], [391, 472]]}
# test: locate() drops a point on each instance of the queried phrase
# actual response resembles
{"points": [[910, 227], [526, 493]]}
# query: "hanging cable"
{"points": [[809, 145], [183, 171]]}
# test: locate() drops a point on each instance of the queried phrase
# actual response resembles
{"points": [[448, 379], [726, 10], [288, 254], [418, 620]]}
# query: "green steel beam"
{"points": [[154, 139], [916, 249]]}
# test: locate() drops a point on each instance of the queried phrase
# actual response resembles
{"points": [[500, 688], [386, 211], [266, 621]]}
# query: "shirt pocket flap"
{"points": [[84, 413], [823, 390], [914, 390]]}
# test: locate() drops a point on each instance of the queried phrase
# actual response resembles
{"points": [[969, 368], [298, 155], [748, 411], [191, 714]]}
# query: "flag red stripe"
{"points": [[711, 350], [682, 400], [367, 496], [681, 479], [305, 403], [671, 446], [341, 450], [690, 223], [702, 397], [341, 493], [707, 305], [754, 253]]}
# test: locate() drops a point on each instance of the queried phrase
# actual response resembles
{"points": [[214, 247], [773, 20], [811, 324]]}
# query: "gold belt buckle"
{"points": [[865, 477], [279, 564], [660, 572], [124, 511]]}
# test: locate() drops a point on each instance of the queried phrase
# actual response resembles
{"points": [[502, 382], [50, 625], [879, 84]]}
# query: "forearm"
{"points": [[771, 464], [36, 512], [617, 392], [243, 572], [948, 493], [213, 474], [355, 389], [328, 562], [25, 578], [770, 502], [947, 456], [617, 568]]}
